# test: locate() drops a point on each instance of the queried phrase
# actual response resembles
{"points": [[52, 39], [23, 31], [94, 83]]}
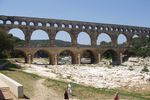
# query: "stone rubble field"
{"points": [[99, 75]]}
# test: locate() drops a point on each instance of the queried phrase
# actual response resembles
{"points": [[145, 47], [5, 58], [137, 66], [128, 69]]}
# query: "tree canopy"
{"points": [[6, 44]]}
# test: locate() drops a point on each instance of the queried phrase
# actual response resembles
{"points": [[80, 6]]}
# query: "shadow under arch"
{"points": [[126, 54], [88, 57], [66, 57], [41, 57], [19, 55], [112, 56]]}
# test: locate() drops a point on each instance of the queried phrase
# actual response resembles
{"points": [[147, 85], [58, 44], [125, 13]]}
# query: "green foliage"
{"points": [[140, 48], [145, 69], [6, 44]]}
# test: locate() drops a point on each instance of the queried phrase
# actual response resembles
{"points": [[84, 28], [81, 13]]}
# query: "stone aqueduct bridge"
{"points": [[52, 26]]}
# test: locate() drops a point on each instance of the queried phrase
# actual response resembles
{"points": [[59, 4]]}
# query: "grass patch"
{"points": [[91, 93], [27, 80], [2, 61]]}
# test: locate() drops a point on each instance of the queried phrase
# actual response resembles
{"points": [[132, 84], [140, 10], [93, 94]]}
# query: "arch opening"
{"points": [[31, 24], [110, 57], [19, 56], [40, 24], [104, 40], [39, 38], [83, 39], [1, 22], [87, 57], [136, 40], [63, 38], [66, 57], [125, 55], [23, 23], [135, 36], [41, 57], [8, 22], [18, 37], [16, 23], [47, 24], [122, 40]]}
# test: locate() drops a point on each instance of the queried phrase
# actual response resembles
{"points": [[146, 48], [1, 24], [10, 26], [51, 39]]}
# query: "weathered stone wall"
{"points": [[52, 26]]}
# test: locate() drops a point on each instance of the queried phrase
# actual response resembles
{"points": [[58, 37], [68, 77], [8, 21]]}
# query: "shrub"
{"points": [[145, 69]]}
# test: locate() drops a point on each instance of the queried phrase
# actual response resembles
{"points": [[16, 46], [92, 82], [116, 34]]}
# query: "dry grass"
{"points": [[90, 93], [27, 80]]}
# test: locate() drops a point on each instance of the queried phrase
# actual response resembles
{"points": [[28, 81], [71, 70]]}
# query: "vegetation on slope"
{"points": [[140, 48], [6, 44]]}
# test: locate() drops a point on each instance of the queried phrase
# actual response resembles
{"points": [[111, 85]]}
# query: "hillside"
{"points": [[41, 43], [139, 48]]}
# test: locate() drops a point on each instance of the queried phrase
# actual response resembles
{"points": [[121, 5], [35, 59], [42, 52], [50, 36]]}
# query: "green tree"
{"points": [[6, 44]]}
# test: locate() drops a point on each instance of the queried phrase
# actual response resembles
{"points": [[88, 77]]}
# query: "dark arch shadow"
{"points": [[88, 57], [19, 54], [66, 57], [126, 55], [41, 57], [111, 55]]}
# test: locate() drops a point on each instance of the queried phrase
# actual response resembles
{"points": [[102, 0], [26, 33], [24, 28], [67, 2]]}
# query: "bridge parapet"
{"points": [[67, 24]]}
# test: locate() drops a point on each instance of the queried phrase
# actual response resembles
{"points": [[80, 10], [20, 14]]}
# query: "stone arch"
{"points": [[122, 39], [48, 25], [63, 25], [18, 35], [1, 22], [8, 22], [70, 26], [41, 37], [111, 56], [23, 23], [19, 55], [42, 56], [31, 24], [66, 57], [16, 22], [39, 24], [55, 25], [104, 39], [87, 57], [63, 38], [17, 32], [84, 38], [135, 36]]}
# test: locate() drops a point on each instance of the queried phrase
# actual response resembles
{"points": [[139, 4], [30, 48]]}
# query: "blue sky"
{"points": [[128, 12]]}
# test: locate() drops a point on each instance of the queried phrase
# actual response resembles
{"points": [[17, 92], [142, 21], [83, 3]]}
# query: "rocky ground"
{"points": [[100, 75]]}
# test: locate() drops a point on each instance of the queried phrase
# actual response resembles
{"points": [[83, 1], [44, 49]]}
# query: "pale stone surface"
{"points": [[15, 88], [100, 75]]}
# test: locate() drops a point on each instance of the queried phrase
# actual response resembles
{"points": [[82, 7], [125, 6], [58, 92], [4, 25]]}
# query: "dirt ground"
{"points": [[41, 92]]}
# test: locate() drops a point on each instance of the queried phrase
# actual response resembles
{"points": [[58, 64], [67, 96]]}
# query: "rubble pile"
{"points": [[99, 75]]}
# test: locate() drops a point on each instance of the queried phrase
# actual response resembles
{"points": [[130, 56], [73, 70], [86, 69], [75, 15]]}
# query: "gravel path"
{"points": [[43, 93]]}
